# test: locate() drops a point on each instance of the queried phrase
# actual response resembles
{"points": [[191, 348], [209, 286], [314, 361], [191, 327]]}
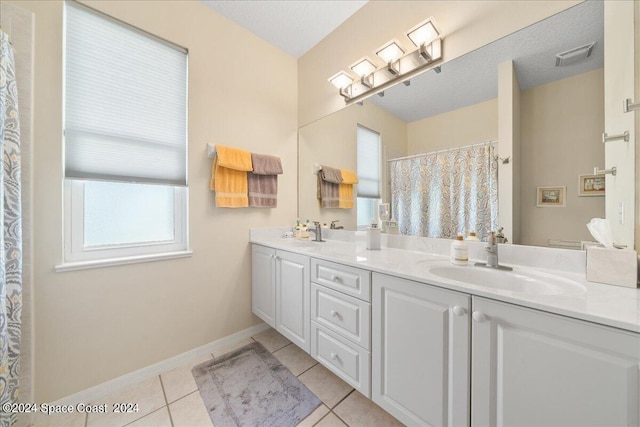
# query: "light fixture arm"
{"points": [[415, 64]]}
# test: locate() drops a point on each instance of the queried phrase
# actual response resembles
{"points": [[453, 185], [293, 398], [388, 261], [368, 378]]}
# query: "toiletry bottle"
{"points": [[304, 232], [459, 251], [373, 236], [296, 232], [472, 236]]}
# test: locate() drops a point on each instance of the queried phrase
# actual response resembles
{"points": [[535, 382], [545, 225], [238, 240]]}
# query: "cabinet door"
{"points": [[292, 298], [263, 289], [532, 368], [420, 352]]}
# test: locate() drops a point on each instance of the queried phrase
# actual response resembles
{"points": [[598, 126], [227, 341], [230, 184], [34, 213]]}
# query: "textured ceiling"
{"points": [[293, 26], [473, 78]]}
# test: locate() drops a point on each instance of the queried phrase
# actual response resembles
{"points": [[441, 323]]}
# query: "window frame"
{"points": [[75, 250], [374, 201], [75, 256]]}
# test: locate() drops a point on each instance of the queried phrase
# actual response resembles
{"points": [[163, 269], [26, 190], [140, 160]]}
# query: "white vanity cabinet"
{"points": [[433, 356], [341, 321], [263, 283], [531, 368], [280, 292], [420, 352]]}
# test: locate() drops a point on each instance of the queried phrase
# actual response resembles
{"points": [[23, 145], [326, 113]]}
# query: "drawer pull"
{"points": [[335, 278], [334, 313], [458, 311], [334, 356]]}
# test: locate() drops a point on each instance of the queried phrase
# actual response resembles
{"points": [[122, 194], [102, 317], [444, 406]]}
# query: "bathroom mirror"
{"points": [[561, 123]]}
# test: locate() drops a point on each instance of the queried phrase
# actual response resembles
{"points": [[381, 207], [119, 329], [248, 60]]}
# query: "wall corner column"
{"points": [[509, 147]]}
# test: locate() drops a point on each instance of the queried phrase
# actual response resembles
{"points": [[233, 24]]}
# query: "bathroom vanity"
{"points": [[437, 344]]}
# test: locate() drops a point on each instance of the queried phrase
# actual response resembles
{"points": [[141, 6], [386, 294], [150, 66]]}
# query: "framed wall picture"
{"points": [[591, 185], [551, 197]]}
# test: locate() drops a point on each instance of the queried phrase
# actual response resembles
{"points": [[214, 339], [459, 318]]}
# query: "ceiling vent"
{"points": [[574, 55]]}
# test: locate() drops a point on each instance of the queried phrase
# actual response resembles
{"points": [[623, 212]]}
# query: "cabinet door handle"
{"points": [[479, 316], [458, 311], [334, 356], [334, 313]]}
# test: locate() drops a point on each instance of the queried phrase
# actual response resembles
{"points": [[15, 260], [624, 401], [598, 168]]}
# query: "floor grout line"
{"points": [[343, 399], [164, 393], [321, 418], [308, 369], [340, 418]]}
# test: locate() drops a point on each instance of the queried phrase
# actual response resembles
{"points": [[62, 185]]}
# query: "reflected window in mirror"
{"points": [[369, 174]]}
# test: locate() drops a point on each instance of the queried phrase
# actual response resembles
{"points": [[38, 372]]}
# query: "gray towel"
{"points": [[266, 165], [331, 175], [263, 190], [263, 181], [328, 193]]}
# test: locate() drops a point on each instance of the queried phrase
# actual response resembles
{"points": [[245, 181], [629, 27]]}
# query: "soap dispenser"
{"points": [[373, 236], [459, 251]]}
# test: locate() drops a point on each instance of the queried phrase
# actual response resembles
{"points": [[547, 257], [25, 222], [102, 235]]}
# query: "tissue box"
{"points": [[612, 266]]}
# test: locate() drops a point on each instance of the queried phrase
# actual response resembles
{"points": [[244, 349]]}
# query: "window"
{"points": [[368, 142], [125, 136]]}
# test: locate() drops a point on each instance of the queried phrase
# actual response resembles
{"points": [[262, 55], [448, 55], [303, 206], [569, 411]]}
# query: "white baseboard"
{"points": [[101, 390]]}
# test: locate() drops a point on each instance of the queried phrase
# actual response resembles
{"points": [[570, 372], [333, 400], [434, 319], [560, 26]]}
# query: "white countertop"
{"points": [[605, 304]]}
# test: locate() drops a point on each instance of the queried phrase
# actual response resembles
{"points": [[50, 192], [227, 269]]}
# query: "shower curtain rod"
{"points": [[446, 150]]}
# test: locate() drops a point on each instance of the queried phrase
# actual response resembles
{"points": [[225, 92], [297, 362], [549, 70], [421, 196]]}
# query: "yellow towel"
{"points": [[349, 177], [345, 196], [230, 186], [233, 158]]}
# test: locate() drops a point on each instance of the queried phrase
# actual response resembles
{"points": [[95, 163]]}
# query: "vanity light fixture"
{"points": [[391, 53], [342, 81], [364, 68], [401, 66], [423, 33]]}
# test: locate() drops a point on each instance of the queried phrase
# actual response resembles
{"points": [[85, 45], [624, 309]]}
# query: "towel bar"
{"points": [[211, 150], [316, 168]]}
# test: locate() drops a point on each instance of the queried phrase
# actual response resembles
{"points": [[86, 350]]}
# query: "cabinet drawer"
{"points": [[348, 316], [347, 360], [350, 280]]}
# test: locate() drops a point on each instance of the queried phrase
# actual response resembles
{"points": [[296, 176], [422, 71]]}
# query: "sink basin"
{"points": [[300, 243], [520, 281]]}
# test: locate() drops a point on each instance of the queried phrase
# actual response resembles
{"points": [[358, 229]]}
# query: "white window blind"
{"points": [[125, 102], [368, 163]]}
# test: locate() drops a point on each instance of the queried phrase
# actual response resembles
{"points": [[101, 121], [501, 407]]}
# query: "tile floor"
{"points": [[172, 399]]}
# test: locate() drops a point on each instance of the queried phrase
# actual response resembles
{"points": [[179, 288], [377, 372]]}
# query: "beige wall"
{"points": [[465, 26], [561, 125], [331, 141], [469, 125], [94, 325]]}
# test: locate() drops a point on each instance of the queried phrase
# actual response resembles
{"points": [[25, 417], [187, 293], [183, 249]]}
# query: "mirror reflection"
{"points": [[444, 128]]}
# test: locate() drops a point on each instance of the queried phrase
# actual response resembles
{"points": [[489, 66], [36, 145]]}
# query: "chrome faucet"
{"points": [[334, 226], [318, 231], [492, 255]]}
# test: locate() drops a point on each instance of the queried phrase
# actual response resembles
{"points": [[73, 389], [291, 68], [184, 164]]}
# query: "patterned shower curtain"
{"points": [[11, 236], [441, 194]]}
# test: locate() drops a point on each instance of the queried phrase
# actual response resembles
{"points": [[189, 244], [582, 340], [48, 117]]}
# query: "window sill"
{"points": [[109, 262]]}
